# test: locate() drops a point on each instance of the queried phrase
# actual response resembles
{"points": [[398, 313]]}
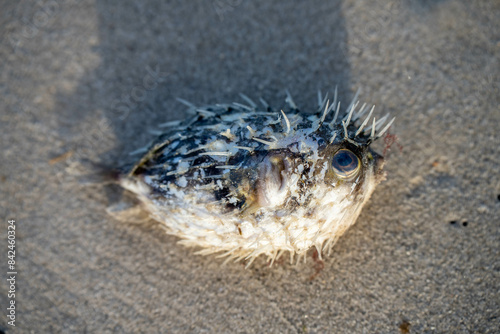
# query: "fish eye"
{"points": [[345, 164]]}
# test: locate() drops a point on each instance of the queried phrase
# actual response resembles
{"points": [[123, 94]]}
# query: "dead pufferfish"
{"points": [[244, 180]]}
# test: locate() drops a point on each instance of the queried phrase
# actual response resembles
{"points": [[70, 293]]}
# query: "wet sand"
{"points": [[84, 81]]}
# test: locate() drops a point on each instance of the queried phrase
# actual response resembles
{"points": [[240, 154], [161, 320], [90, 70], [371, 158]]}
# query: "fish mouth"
{"points": [[378, 167], [273, 180]]}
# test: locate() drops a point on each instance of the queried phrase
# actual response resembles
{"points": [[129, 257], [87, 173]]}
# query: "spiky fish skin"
{"points": [[246, 181]]}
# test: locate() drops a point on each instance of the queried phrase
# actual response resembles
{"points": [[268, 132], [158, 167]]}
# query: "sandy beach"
{"points": [[86, 82]]}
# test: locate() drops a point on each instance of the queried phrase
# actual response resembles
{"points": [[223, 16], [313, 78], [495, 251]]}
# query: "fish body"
{"points": [[245, 180]]}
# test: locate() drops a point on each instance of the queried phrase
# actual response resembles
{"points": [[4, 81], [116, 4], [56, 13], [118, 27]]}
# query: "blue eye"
{"points": [[345, 164]]}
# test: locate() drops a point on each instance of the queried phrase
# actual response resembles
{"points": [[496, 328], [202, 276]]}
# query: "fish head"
{"points": [[312, 170]]}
